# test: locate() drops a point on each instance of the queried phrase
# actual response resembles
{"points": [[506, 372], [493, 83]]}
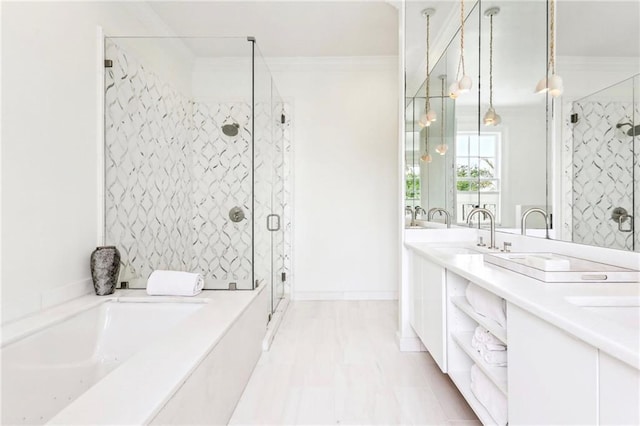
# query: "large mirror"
{"points": [[596, 132], [434, 177], [513, 154], [575, 157]]}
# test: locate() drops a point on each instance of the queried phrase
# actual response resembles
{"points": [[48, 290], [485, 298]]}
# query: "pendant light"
{"points": [[464, 82], [551, 83], [491, 118], [429, 115], [443, 147]]}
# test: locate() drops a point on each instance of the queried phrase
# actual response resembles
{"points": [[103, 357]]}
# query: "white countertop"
{"points": [[547, 300], [140, 387]]}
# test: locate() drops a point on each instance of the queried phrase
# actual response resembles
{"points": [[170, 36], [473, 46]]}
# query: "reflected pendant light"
{"points": [[551, 82], [443, 147], [491, 118], [429, 115], [464, 82]]}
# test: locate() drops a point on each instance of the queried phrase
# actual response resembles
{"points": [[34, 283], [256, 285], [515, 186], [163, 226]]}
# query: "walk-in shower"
{"points": [[194, 133], [605, 150]]}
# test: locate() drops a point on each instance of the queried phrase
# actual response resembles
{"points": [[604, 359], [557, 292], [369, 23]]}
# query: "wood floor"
{"points": [[337, 362]]}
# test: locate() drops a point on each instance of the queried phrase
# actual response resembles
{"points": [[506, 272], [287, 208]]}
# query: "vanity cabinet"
{"points": [[619, 396], [427, 311], [553, 377]]}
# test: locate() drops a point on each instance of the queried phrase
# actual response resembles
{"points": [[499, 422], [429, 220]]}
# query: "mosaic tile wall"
{"points": [[148, 169], [172, 176], [602, 170]]}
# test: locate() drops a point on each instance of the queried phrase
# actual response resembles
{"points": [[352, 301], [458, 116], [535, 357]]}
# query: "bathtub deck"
{"points": [[145, 383]]}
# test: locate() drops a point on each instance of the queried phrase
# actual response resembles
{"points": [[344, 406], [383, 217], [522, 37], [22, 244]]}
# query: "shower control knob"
{"points": [[236, 214]]}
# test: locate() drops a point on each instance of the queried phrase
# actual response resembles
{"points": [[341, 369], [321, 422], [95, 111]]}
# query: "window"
{"points": [[477, 169]]}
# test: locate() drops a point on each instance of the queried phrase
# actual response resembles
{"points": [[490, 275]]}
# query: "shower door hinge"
{"points": [[574, 118], [108, 63]]}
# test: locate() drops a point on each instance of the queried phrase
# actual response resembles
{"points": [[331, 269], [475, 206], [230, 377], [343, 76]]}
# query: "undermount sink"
{"points": [[552, 267], [456, 250], [624, 310]]}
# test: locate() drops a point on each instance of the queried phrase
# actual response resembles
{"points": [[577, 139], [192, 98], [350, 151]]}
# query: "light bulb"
{"points": [[556, 87], [490, 117], [426, 158], [431, 116], [424, 121], [454, 90], [465, 84], [541, 87], [442, 149]]}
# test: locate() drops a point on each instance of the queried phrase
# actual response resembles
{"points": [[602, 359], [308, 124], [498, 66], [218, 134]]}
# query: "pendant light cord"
{"points": [[442, 99], [491, 61], [552, 30], [462, 36], [426, 103]]}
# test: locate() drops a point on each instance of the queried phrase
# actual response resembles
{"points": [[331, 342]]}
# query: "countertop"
{"points": [[547, 300]]}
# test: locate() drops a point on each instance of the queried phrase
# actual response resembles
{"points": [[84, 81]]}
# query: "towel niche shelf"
{"points": [[495, 328], [498, 375], [462, 381]]}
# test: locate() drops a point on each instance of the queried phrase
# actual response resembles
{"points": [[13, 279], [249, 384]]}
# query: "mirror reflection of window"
{"points": [[477, 169]]}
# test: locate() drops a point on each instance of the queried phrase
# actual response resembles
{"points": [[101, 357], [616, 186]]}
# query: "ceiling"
{"points": [[286, 28]]}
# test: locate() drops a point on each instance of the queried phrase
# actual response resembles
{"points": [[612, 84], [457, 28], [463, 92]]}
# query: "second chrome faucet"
{"points": [[492, 223]]}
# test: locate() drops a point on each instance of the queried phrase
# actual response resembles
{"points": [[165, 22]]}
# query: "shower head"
{"points": [[633, 131], [230, 129]]}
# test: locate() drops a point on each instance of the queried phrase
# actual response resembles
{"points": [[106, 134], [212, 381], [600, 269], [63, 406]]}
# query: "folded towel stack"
{"points": [[489, 396], [174, 283], [491, 350], [487, 304]]}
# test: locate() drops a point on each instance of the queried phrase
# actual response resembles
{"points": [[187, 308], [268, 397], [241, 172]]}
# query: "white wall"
{"points": [[50, 130], [345, 175]]}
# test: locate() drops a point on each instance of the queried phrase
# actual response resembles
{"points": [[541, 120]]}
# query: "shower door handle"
{"points": [[270, 227], [623, 219]]}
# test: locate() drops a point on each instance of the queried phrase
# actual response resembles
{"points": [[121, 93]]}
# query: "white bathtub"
{"points": [[44, 372], [133, 359]]}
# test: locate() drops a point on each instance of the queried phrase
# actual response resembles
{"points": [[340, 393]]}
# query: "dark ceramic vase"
{"points": [[105, 266]]}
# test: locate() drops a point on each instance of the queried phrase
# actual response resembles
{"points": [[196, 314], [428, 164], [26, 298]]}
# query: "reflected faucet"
{"points": [[409, 210], [419, 210], [492, 223], [441, 211], [523, 221]]}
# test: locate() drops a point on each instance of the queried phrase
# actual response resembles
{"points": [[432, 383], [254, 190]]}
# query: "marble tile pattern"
{"points": [[148, 167], [337, 362], [602, 173], [221, 180], [172, 176]]}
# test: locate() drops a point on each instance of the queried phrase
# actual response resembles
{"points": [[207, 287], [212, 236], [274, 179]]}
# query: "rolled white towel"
{"points": [[174, 283], [494, 358], [489, 396], [487, 304], [484, 338]]}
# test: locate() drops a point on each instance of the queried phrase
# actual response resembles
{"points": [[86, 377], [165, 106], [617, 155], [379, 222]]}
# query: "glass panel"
{"points": [[178, 158]]}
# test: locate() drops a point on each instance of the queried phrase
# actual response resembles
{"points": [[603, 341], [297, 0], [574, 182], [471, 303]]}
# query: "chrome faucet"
{"points": [[523, 221], [419, 210], [409, 210], [492, 223], [441, 211]]}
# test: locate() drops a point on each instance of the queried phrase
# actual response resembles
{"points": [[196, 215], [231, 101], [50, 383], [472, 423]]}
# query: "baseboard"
{"points": [[409, 344], [346, 295]]}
